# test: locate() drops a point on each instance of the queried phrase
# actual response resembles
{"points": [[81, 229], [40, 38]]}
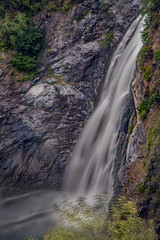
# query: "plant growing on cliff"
{"points": [[132, 125], [28, 6], [150, 6], [145, 106], [19, 34], [153, 134], [85, 222], [81, 16], [148, 73], [144, 53], [157, 55], [108, 39], [104, 8], [24, 63]]}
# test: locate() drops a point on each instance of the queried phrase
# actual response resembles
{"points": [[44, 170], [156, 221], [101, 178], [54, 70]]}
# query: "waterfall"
{"points": [[91, 169]]}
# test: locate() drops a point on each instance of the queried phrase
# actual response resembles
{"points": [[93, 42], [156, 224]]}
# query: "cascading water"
{"points": [[91, 169]]}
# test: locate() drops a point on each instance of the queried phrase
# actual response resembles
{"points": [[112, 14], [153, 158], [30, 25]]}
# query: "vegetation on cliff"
{"points": [[149, 57], [19, 37], [81, 221], [144, 186]]}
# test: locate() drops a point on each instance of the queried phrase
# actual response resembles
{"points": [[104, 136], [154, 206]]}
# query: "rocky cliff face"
{"points": [[40, 120], [139, 175]]}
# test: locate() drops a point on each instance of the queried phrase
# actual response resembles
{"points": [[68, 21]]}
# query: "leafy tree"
{"points": [[31, 42], [19, 34]]}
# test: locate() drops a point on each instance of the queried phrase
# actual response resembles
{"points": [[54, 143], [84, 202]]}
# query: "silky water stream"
{"points": [[91, 169]]}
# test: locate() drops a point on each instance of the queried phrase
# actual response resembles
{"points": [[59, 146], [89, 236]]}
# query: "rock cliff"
{"points": [[41, 119], [139, 175]]}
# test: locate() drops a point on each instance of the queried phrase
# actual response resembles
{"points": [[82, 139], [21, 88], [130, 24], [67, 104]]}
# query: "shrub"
{"points": [[12, 30], [104, 8], [143, 54], [150, 6], [145, 106], [108, 39], [28, 6], [24, 63], [148, 73], [156, 23], [157, 55], [141, 187], [52, 7], [132, 125], [21, 35], [68, 4], [79, 17], [153, 133], [31, 42]]}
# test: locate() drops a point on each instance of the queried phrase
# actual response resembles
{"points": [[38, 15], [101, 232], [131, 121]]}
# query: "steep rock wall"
{"points": [[139, 175], [41, 120]]}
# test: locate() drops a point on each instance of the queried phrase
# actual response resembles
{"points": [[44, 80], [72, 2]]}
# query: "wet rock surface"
{"points": [[40, 120]]}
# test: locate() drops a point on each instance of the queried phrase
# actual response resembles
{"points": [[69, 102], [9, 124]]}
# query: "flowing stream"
{"points": [[91, 169]]}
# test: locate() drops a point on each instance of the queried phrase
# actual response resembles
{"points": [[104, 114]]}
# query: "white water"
{"points": [[91, 169]]}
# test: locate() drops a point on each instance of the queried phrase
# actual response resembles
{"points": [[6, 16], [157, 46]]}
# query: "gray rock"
{"points": [[41, 120], [136, 141]]}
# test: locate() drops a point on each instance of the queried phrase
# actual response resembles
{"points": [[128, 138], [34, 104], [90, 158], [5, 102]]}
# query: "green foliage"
{"points": [[150, 6], [30, 7], [130, 129], [144, 53], [157, 55], [141, 187], [79, 17], [148, 73], [153, 134], [52, 7], [145, 106], [19, 34], [132, 125], [12, 30], [108, 39], [31, 42], [104, 8], [80, 221], [67, 5], [126, 224], [24, 63], [156, 23], [151, 189]]}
